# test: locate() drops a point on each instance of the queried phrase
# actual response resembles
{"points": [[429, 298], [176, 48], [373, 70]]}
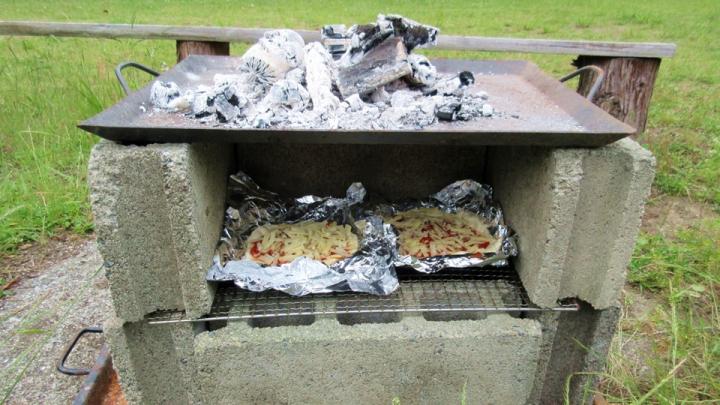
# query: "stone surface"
{"points": [[492, 361], [577, 213], [155, 363], [158, 212]]}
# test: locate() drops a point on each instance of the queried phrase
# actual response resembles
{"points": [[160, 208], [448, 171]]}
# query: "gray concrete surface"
{"points": [[579, 351], [155, 363], [577, 213], [39, 317], [492, 361], [158, 213]]}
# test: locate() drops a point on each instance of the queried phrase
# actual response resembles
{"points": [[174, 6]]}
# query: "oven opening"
{"points": [[390, 173]]}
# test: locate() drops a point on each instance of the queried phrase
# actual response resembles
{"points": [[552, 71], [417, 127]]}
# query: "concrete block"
{"points": [[158, 212], [579, 351], [577, 213], [155, 363], [418, 361]]}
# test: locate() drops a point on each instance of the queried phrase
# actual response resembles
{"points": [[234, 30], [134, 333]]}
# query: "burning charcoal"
{"points": [[276, 53], [166, 96], [202, 105], [319, 77], [454, 85], [382, 65], [225, 111], [287, 93], [363, 39], [335, 39], [413, 33], [449, 110], [423, 72]]}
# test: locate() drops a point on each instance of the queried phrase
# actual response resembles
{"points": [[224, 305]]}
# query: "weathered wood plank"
{"points": [[185, 48], [229, 34], [627, 88]]}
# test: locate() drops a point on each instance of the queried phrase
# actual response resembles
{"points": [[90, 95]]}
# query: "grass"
{"points": [[48, 85]]}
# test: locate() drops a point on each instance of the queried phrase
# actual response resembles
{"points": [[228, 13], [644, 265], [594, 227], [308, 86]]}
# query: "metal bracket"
{"points": [[599, 77], [121, 78], [68, 350]]}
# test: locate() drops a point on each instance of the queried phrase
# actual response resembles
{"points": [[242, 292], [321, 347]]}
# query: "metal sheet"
{"points": [[548, 113]]}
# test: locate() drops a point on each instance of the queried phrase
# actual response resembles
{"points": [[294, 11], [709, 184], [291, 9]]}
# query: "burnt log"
{"points": [[383, 64], [628, 86], [185, 48]]}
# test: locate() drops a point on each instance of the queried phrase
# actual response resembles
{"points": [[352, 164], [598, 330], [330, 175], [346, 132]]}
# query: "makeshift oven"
{"points": [[501, 335]]}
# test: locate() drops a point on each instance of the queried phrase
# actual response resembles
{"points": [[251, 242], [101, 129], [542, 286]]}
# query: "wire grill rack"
{"points": [[486, 290]]}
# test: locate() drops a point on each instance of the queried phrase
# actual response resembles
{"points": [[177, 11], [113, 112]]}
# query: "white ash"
{"points": [[283, 83], [320, 75]]}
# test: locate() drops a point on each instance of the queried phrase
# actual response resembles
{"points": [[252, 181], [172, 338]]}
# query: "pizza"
{"points": [[327, 242], [427, 232]]}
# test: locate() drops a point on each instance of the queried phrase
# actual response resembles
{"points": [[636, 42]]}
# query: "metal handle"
{"points": [[121, 78], [599, 77], [75, 371]]}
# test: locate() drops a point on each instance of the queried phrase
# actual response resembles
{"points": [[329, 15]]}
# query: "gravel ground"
{"points": [[40, 317]]}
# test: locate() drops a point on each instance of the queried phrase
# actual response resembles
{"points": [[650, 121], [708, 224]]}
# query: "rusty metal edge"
{"points": [[96, 384]]}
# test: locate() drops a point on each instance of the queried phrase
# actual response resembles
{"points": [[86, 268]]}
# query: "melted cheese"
{"points": [[427, 232]]}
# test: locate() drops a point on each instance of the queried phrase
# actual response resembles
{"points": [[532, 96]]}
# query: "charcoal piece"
{"points": [[335, 39], [167, 96], [202, 105], [382, 65], [413, 33], [423, 72], [319, 77], [453, 85], [225, 111], [466, 78], [279, 51], [448, 111], [355, 103], [288, 93]]}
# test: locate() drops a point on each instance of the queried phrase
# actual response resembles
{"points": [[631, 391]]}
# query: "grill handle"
{"points": [[599, 77], [121, 78], [68, 350]]}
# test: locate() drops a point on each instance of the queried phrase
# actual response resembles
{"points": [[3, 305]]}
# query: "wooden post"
{"points": [[627, 88], [185, 48]]}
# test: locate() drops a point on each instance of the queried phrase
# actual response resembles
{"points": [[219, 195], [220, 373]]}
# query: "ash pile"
{"points": [[364, 78]]}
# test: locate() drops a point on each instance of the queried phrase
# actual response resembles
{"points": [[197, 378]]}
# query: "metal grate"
{"points": [[496, 290]]}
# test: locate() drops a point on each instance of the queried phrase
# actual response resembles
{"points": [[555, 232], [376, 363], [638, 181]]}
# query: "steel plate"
{"points": [[536, 109]]}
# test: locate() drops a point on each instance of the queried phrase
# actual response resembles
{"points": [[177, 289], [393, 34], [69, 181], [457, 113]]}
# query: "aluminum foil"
{"points": [[465, 195], [371, 269]]}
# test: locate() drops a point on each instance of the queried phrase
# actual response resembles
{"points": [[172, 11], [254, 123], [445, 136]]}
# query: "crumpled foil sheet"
{"points": [[371, 269], [465, 195]]}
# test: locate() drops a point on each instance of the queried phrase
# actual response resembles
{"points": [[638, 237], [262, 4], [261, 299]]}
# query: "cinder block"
{"points": [[489, 361], [158, 213], [579, 351], [155, 363], [577, 213]]}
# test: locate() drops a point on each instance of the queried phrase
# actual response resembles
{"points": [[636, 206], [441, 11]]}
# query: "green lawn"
{"points": [[47, 85]]}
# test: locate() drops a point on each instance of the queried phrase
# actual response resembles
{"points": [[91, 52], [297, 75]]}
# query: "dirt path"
{"points": [[43, 312]]}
